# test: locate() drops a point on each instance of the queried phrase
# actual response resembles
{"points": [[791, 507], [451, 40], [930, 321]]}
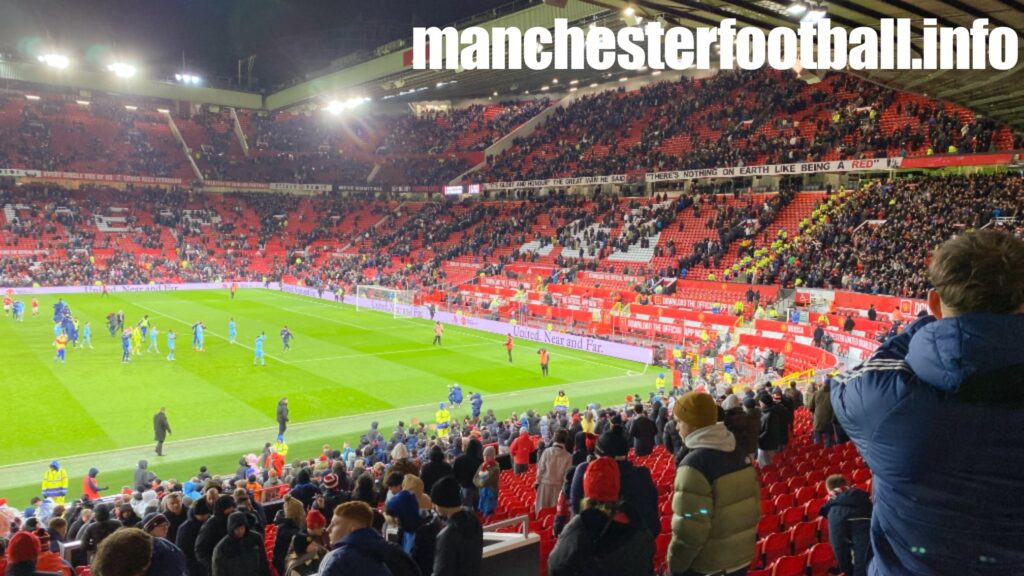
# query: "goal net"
{"points": [[383, 299]]}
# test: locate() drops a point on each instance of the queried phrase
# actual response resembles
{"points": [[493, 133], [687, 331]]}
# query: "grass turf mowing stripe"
{"points": [[387, 367]]}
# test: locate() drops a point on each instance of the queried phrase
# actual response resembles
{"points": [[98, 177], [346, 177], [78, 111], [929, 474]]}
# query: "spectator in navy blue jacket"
{"points": [[849, 525], [356, 548], [937, 412]]}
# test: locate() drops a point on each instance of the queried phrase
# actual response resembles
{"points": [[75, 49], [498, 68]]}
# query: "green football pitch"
{"points": [[346, 369]]}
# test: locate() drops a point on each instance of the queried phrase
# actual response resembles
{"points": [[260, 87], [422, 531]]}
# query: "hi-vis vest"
{"points": [[281, 448], [55, 484], [562, 401]]}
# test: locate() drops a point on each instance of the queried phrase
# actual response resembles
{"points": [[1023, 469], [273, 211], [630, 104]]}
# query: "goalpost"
{"points": [[384, 299]]}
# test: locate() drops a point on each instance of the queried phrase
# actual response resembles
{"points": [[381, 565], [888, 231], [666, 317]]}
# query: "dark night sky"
{"points": [[289, 37]]}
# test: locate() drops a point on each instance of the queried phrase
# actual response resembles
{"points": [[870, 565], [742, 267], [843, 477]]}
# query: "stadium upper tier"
{"points": [[731, 119], [875, 239]]}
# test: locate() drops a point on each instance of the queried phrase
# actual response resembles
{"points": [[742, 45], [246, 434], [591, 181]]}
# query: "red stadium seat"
{"points": [[792, 516], [789, 566], [773, 547], [805, 494], [783, 501], [861, 475], [813, 509], [820, 559], [768, 524], [803, 536]]}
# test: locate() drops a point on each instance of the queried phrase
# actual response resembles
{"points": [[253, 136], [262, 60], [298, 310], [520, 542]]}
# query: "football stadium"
{"points": [[541, 287]]}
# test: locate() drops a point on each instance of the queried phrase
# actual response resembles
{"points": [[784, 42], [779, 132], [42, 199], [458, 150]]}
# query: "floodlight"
{"points": [[629, 11], [31, 97], [122, 70], [82, 102], [130, 107], [796, 9], [573, 82], [163, 110], [58, 61], [656, 73]]}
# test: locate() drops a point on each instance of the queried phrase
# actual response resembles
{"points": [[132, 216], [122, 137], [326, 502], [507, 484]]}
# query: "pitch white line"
{"points": [[210, 332], [469, 331], [390, 353], [312, 423]]}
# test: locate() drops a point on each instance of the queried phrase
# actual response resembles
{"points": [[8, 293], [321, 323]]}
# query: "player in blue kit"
{"points": [[197, 336], [126, 346], [258, 347], [153, 345], [87, 335], [170, 345], [232, 329]]}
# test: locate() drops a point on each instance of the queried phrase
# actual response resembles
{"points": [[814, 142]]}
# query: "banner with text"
{"points": [[777, 169], [557, 182]]}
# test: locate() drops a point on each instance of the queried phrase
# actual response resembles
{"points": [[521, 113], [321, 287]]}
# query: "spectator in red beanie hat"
{"points": [[50, 561], [22, 553], [602, 535]]}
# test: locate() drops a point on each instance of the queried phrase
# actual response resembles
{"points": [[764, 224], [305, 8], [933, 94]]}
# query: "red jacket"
{"points": [[521, 449]]}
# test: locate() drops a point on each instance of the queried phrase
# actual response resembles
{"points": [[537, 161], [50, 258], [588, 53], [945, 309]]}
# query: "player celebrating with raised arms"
{"points": [[258, 349], [197, 336]]}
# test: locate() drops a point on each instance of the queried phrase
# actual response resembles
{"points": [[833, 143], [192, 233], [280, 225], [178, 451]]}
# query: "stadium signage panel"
{"points": [[289, 187], [583, 343], [582, 181], [452, 190], [609, 277], [133, 288], [778, 169]]}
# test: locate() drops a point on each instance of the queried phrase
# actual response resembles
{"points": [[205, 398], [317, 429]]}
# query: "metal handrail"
{"points": [[523, 520]]}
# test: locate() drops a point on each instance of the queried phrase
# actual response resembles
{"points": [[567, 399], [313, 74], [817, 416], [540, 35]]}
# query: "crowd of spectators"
{"points": [[880, 239], [434, 485], [737, 119]]}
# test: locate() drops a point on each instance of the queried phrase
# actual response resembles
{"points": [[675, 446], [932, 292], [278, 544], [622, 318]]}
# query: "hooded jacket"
{"points": [[594, 544], [460, 546], [935, 412], [101, 526], [435, 469], [773, 427], [213, 531], [186, 540], [465, 466], [243, 556], [716, 505], [143, 477], [90, 489]]}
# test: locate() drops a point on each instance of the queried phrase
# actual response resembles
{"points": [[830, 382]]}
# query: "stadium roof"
{"points": [[995, 94]]}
